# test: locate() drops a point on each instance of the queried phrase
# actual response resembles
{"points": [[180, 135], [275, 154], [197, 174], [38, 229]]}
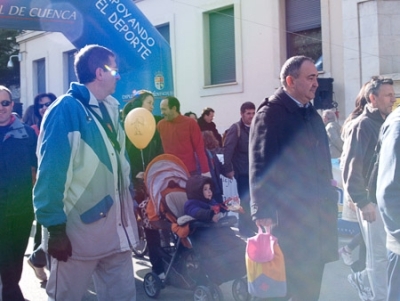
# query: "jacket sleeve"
{"points": [[201, 213], [388, 183], [55, 144], [231, 141], [356, 146], [263, 151], [198, 146]]}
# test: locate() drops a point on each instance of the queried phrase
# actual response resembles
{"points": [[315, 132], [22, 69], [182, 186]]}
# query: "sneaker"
{"points": [[346, 256], [39, 272], [161, 276], [364, 292]]}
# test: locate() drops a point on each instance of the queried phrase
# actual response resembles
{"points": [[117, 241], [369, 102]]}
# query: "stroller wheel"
{"points": [[239, 290], [216, 292], [152, 285], [141, 249], [202, 293]]}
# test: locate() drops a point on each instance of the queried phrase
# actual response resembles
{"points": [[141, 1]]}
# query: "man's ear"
{"points": [[99, 73], [289, 80], [372, 99]]}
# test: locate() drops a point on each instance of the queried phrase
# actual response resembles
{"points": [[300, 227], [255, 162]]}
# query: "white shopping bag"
{"points": [[229, 190]]}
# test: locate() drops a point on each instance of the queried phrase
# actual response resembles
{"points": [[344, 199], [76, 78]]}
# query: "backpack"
{"points": [[224, 134], [372, 174]]}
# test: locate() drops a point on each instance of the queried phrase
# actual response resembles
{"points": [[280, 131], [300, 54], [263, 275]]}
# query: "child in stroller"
{"points": [[221, 251], [166, 178]]}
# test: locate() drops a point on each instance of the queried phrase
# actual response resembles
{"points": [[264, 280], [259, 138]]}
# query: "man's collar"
{"points": [[296, 101]]}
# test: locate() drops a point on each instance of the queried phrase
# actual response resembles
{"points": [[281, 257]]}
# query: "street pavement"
{"points": [[335, 286]]}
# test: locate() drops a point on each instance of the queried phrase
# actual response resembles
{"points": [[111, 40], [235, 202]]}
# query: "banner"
{"points": [[144, 57]]}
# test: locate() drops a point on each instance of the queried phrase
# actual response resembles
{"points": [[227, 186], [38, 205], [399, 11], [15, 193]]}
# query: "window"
{"points": [[164, 31], [303, 25], [40, 68], [71, 77], [222, 47]]}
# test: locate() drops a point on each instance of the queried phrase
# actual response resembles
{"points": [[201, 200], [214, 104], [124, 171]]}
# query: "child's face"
{"points": [[207, 193]]}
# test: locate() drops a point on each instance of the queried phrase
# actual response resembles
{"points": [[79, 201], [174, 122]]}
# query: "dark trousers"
{"points": [[359, 265], [14, 236], [303, 282], [154, 247], [246, 225]]}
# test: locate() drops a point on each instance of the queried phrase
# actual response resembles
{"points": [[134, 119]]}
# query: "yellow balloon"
{"points": [[140, 126]]}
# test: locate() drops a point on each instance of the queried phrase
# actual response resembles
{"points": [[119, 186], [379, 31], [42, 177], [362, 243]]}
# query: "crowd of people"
{"points": [[69, 157]]}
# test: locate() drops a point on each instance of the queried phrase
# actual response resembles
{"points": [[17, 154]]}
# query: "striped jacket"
{"points": [[78, 182]]}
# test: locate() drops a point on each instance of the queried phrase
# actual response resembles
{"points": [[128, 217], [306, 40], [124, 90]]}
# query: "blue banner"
{"points": [[144, 57]]}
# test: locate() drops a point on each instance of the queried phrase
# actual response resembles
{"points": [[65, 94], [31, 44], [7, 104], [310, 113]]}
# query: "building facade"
{"points": [[226, 52]]}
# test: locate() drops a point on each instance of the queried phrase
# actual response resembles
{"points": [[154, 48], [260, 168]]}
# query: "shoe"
{"points": [[39, 272], [346, 256], [364, 292], [161, 276]]}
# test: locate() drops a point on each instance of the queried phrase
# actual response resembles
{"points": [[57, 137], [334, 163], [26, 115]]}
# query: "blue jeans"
{"points": [[393, 277]]}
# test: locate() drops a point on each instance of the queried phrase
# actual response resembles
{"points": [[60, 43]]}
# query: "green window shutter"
{"points": [[222, 46]]}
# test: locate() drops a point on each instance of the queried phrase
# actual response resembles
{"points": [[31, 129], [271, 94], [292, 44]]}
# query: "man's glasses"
{"points": [[114, 72], [47, 104], [5, 103]]}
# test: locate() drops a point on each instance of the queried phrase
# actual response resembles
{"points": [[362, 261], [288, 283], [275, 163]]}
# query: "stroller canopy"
{"points": [[160, 172]]}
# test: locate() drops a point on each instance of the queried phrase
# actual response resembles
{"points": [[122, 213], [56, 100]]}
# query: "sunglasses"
{"points": [[47, 104], [114, 72], [5, 103]]}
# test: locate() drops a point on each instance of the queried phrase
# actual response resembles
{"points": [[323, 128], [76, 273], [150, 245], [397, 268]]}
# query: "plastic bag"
{"points": [[265, 265]]}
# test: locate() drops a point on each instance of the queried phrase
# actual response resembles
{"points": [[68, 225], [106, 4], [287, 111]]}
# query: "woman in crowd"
{"points": [[40, 104], [139, 160], [37, 260]]}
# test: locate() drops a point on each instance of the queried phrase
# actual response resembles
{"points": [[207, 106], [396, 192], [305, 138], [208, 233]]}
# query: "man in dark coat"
{"points": [[290, 179], [17, 167], [206, 123]]}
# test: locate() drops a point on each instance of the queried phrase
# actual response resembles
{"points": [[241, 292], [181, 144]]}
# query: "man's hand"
{"points": [[230, 175], [59, 245], [206, 174], [368, 212], [265, 222]]}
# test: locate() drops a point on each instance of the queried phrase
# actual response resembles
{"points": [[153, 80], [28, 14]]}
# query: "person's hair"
{"points": [[374, 85], [88, 59], [210, 142], [4, 88], [248, 105], [190, 113], [36, 104], [135, 102], [206, 111], [329, 115], [29, 117], [173, 102], [292, 67], [359, 104]]}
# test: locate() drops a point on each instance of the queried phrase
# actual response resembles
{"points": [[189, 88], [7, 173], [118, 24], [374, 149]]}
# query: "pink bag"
{"points": [[265, 266]]}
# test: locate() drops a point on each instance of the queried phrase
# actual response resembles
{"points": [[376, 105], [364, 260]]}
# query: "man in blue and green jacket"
{"points": [[82, 194]]}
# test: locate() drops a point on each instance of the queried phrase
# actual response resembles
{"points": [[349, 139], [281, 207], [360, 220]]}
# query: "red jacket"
{"points": [[182, 137]]}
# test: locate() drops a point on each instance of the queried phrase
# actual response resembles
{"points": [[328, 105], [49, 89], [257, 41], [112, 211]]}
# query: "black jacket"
{"points": [[236, 149], [17, 158], [290, 178]]}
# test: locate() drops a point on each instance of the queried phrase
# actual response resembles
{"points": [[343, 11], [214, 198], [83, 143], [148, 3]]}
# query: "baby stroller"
{"points": [[165, 179]]}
